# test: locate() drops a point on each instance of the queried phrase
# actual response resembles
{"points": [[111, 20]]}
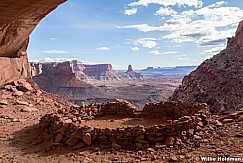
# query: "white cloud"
{"points": [[183, 59], [180, 55], [170, 52], [209, 25], [140, 27], [195, 3], [102, 48], [146, 42], [91, 63], [130, 11], [49, 59], [53, 38], [54, 52], [214, 50], [175, 46], [217, 4], [135, 48], [156, 52], [165, 11]]}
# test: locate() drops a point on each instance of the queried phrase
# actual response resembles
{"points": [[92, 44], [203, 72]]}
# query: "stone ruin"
{"points": [[68, 127]]}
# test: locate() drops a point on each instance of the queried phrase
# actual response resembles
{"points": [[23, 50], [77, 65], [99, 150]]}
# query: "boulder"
{"points": [[79, 145], [24, 87], [72, 141], [169, 141], [18, 93], [29, 109], [240, 118], [58, 138], [87, 138], [3, 102], [115, 146], [21, 102]]}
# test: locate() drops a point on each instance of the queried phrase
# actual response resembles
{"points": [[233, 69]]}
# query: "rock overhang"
{"points": [[17, 20]]}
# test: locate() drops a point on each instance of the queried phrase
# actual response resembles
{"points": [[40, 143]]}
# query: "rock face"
{"points": [[217, 81], [130, 73], [35, 68], [81, 71], [18, 19], [52, 76], [101, 71]]}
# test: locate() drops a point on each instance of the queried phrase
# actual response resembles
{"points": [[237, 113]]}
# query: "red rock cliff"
{"points": [[217, 81], [100, 71], [52, 76], [18, 18], [76, 68]]}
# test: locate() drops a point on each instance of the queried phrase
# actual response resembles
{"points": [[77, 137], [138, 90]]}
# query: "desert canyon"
{"points": [[202, 117]]}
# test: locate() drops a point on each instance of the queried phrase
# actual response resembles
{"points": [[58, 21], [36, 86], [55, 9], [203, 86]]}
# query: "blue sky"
{"points": [[142, 33]]}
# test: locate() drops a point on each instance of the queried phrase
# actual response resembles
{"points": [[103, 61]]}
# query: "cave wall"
{"points": [[17, 20]]}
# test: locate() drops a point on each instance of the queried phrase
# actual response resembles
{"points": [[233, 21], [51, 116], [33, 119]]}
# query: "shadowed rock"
{"points": [[18, 19]]}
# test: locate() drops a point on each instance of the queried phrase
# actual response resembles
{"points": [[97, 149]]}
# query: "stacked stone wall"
{"points": [[68, 127]]}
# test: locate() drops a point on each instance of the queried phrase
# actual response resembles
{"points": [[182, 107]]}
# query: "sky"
{"points": [[143, 33]]}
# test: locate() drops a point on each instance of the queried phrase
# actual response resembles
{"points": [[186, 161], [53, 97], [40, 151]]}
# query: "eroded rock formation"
{"points": [[130, 73], [53, 76], [101, 71], [217, 81], [79, 70], [70, 74], [17, 20]]}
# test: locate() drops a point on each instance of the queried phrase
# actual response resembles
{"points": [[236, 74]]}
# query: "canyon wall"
{"points": [[101, 71], [17, 20], [217, 81], [52, 76], [81, 71]]}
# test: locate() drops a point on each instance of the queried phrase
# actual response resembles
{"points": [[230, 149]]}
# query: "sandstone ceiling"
{"points": [[18, 18]]}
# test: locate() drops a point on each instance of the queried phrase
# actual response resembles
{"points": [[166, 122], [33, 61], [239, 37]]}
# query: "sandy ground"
{"points": [[114, 121]]}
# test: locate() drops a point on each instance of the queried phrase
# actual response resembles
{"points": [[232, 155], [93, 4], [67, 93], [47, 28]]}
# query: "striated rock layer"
{"points": [[81, 71], [71, 74], [17, 20], [100, 71], [217, 81], [53, 76]]}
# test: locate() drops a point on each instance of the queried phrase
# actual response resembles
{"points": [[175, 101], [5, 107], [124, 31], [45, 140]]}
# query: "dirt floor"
{"points": [[114, 121], [21, 140]]}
